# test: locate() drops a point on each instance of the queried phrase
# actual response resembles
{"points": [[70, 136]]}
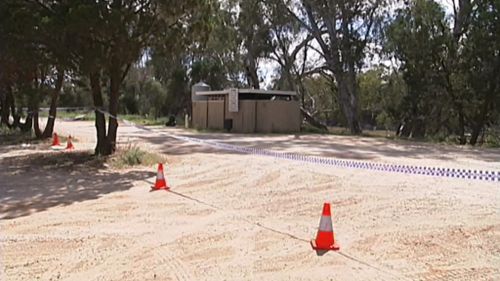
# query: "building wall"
{"points": [[215, 114], [244, 119], [278, 116], [261, 116], [199, 118]]}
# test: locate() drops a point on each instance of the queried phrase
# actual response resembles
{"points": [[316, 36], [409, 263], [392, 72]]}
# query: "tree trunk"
{"points": [[4, 120], [252, 77], [483, 134], [28, 123], [479, 122], [15, 115], [2, 103], [49, 128], [311, 120], [8, 106], [475, 134], [418, 129], [36, 125], [348, 100], [302, 89], [103, 146], [114, 93], [461, 123]]}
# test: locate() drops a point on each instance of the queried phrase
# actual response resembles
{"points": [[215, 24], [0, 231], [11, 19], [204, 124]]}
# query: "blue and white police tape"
{"points": [[493, 176], [394, 168]]}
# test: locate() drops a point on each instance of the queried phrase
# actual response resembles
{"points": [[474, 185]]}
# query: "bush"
{"points": [[492, 138], [310, 129], [134, 156], [14, 136]]}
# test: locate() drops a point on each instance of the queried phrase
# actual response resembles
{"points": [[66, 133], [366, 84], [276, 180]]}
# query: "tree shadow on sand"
{"points": [[37, 182]]}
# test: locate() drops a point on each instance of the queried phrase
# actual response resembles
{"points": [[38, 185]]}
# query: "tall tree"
{"points": [[418, 39], [450, 66], [110, 36], [481, 65], [342, 29], [219, 61], [53, 36], [24, 59], [290, 46], [255, 37]]}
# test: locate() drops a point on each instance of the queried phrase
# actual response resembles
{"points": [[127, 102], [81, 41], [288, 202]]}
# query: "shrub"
{"points": [[133, 155]]}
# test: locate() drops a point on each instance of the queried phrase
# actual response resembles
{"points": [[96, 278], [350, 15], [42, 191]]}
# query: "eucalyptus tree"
{"points": [[219, 61], [481, 66], [33, 59], [342, 29], [418, 38], [290, 46], [255, 37], [7, 64], [111, 35], [290, 49], [25, 63], [52, 35], [450, 64]]}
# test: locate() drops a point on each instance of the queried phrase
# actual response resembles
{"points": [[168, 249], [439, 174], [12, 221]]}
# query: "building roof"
{"points": [[201, 84], [248, 91]]}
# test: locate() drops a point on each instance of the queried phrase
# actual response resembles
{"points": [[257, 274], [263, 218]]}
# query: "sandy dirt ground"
{"points": [[233, 216]]}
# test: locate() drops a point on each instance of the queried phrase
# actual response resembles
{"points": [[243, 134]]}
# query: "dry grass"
{"points": [[132, 155], [15, 136], [124, 158]]}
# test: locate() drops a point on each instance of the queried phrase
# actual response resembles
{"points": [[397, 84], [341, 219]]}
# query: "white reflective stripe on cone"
{"points": [[325, 224], [160, 176]]}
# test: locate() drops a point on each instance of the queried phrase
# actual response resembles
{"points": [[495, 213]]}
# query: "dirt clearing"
{"points": [[243, 217]]}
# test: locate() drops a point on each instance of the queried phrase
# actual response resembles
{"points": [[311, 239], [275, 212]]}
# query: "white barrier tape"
{"points": [[109, 114], [35, 111], [393, 168], [83, 110]]}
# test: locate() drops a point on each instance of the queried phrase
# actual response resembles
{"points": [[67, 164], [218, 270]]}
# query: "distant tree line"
{"points": [[415, 67]]}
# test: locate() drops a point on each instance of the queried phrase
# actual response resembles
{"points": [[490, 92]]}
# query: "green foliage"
{"points": [[145, 120], [76, 93], [381, 94], [13, 136], [211, 72], [153, 99], [146, 55], [308, 129], [132, 155], [492, 138], [341, 46], [220, 61], [450, 68], [323, 100], [255, 37], [418, 38], [383, 120]]}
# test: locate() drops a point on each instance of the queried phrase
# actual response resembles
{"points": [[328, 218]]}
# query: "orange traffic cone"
{"points": [[55, 140], [161, 183], [70, 144], [325, 240]]}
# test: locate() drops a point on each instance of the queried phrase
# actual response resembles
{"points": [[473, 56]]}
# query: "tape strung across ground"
{"points": [[405, 169], [482, 175]]}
